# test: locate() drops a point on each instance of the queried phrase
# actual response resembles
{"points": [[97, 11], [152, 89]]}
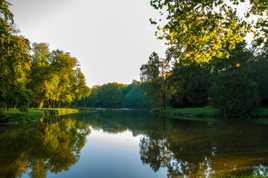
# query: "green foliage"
{"points": [[234, 89], [259, 72], [235, 93], [199, 30], [109, 95], [155, 77], [191, 82], [15, 62], [206, 114], [234, 85], [6, 19], [135, 96], [42, 79], [34, 114], [116, 95]]}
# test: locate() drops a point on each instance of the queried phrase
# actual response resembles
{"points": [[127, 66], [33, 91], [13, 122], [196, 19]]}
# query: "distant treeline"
{"points": [[116, 95], [31, 74]]}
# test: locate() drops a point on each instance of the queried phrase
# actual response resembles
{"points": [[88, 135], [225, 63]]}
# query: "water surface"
{"points": [[131, 145]]}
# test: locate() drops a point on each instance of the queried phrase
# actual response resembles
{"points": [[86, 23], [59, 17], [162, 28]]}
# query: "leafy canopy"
{"points": [[204, 29]]}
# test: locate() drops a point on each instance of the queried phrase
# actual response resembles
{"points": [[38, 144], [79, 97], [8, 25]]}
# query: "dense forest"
{"points": [[33, 75]]}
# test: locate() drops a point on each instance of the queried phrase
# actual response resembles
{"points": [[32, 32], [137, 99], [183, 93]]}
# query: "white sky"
{"points": [[110, 38]]}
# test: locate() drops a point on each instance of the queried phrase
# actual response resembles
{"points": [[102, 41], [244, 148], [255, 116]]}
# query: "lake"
{"points": [[132, 145]]}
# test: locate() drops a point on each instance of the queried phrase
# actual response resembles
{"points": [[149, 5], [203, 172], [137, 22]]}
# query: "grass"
{"points": [[57, 111], [262, 112], [196, 114], [210, 114], [34, 113], [261, 115], [15, 114]]}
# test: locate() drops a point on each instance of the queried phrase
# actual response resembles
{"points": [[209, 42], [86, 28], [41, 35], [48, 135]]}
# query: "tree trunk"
{"points": [[41, 104]]}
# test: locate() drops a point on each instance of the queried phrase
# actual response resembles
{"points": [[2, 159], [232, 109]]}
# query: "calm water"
{"points": [[131, 145]]}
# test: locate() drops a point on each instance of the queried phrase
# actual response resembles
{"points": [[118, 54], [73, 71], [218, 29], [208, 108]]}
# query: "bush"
{"points": [[235, 93]]}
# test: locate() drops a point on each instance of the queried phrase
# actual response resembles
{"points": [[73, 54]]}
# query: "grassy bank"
{"points": [[209, 114], [34, 113], [195, 114]]}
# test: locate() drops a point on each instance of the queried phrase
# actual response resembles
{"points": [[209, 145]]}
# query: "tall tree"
{"points": [[155, 76], [15, 62], [6, 18], [200, 30], [191, 82], [40, 73]]}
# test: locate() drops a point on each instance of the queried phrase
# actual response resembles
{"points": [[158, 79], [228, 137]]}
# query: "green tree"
{"points": [[56, 78], [79, 85], [259, 73], [15, 62], [135, 96], [191, 82], [110, 95], [199, 29], [234, 90], [155, 76], [6, 19], [40, 73]]}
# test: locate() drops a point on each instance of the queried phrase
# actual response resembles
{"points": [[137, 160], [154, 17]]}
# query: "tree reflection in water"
{"points": [[183, 149], [41, 147], [209, 152], [192, 149]]}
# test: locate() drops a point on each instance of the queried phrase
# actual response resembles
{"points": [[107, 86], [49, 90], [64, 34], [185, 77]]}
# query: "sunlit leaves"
{"points": [[201, 30], [56, 77]]}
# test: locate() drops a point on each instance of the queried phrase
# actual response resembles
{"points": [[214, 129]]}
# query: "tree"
{"points": [[199, 30], [110, 95], [56, 78], [40, 73], [259, 73], [135, 96], [155, 75], [6, 19], [191, 82], [79, 85], [15, 62], [43, 78], [234, 90]]}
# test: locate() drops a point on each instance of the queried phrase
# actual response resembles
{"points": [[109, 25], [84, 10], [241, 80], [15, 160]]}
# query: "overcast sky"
{"points": [[110, 38]]}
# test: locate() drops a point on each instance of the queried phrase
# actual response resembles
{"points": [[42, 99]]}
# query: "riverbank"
{"points": [[35, 113], [208, 114], [205, 114]]}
